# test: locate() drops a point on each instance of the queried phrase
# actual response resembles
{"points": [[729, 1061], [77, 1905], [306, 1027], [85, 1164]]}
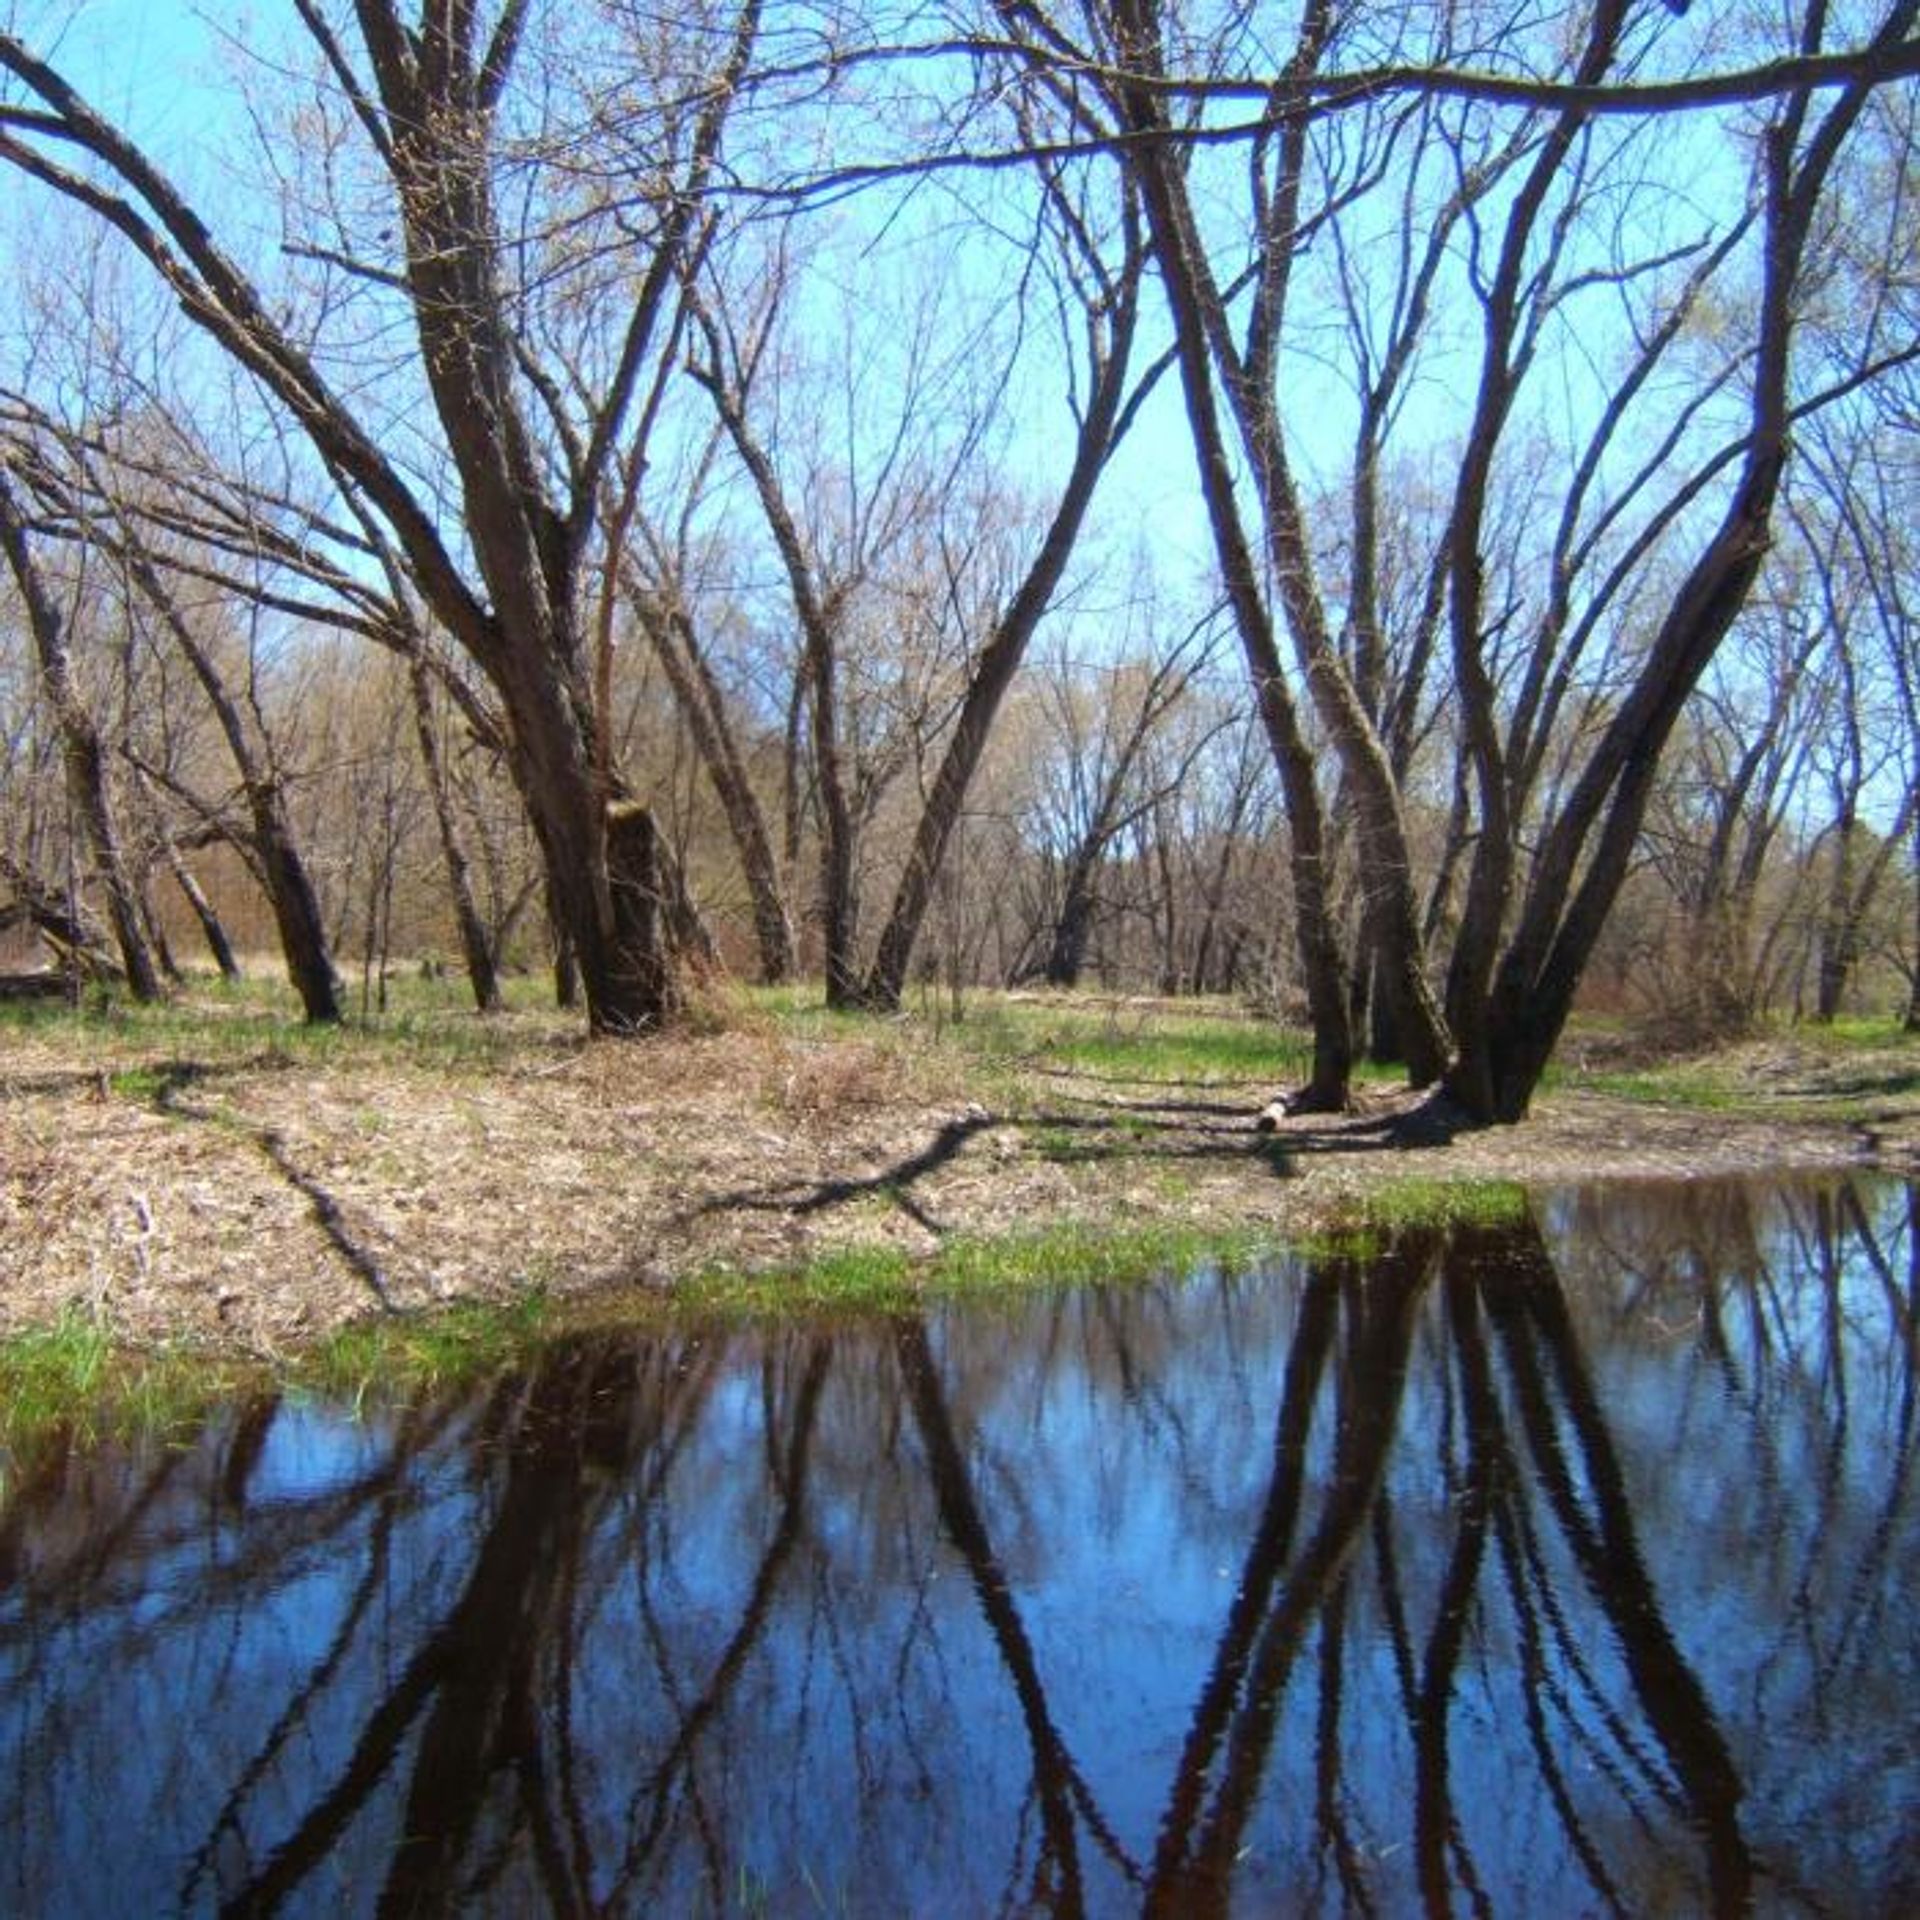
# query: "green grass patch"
{"points": [[849, 1280], [214, 1023], [1072, 1255], [1214, 1040], [1421, 1204], [1840, 1071], [144, 1084], [1667, 1086], [391, 1358], [870, 1280], [71, 1383], [1832, 1077], [48, 1371], [1419, 1201]]}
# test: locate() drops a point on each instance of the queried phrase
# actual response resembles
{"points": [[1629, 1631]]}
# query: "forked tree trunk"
{"points": [[1503, 1055], [1246, 385], [1584, 855], [1072, 928]]}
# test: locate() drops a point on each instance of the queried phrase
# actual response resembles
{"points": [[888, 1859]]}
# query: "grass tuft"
{"points": [[71, 1383], [385, 1359]]}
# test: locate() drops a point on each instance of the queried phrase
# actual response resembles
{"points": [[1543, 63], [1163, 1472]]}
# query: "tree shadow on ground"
{"points": [[172, 1080], [1168, 1132]]}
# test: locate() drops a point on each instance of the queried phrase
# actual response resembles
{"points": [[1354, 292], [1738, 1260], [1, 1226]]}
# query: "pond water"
{"points": [[1566, 1568]]}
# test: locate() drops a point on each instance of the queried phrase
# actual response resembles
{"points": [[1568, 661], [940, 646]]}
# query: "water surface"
{"points": [[1560, 1569]]}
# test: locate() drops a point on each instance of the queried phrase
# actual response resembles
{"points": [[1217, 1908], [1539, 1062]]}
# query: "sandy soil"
{"points": [[260, 1201]]}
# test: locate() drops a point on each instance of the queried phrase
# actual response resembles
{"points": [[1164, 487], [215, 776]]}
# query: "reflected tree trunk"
{"points": [[1058, 1886], [1277, 1604], [1556, 1395]]}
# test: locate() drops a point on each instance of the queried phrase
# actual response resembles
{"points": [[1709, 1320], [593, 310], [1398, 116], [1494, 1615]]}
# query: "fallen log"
{"points": [[37, 985]]}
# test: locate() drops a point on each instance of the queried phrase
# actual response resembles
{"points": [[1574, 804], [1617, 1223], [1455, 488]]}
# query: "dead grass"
{"points": [[241, 1185]]}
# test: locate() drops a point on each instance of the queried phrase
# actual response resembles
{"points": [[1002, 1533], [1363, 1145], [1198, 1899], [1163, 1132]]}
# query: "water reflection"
{"points": [[1557, 1570]]}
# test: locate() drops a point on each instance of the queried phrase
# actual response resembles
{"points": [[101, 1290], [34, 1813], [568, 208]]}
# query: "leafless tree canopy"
{"points": [[1402, 514]]}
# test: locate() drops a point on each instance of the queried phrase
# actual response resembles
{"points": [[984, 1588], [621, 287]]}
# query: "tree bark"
{"points": [[1072, 926]]}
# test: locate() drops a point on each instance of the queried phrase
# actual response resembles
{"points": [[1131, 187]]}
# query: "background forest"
{"points": [[1405, 514]]}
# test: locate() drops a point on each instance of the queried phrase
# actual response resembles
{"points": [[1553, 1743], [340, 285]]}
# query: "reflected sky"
{"points": [[1561, 1568]]}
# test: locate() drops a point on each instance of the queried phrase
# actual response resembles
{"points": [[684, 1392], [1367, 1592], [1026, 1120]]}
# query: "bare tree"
{"points": [[84, 754], [1584, 854], [1097, 284], [425, 105], [1562, 764], [1102, 779]]}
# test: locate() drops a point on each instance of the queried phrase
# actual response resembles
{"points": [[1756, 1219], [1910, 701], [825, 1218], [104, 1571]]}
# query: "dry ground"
{"points": [[258, 1196]]}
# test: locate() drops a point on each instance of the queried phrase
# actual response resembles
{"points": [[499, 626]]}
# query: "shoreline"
{"points": [[256, 1202]]}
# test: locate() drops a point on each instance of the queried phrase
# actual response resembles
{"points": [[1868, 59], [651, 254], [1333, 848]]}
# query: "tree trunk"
{"points": [[1072, 929], [697, 697], [1504, 1054], [1322, 967], [1383, 1028], [1839, 930], [1520, 1019], [1001, 657], [839, 901], [1201, 318], [475, 948], [296, 904], [1850, 898], [566, 969], [290, 890], [154, 929], [637, 955], [195, 895], [85, 760]]}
